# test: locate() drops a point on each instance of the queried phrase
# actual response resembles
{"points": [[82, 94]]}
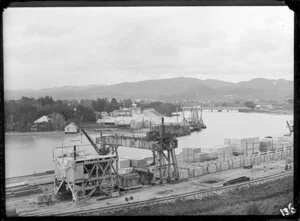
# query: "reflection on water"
{"points": [[26, 153]]}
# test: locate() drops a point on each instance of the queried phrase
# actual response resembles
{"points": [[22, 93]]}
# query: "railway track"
{"points": [[88, 210]]}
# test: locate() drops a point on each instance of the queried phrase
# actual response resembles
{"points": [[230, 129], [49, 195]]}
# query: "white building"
{"points": [[72, 128], [106, 121], [103, 114], [43, 119]]}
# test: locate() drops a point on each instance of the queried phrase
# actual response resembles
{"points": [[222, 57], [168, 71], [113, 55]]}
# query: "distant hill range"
{"points": [[180, 88]]}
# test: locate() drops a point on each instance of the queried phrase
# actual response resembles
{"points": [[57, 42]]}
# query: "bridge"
{"points": [[213, 109]]}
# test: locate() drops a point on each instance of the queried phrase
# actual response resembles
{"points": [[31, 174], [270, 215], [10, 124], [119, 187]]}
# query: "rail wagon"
{"points": [[237, 180]]}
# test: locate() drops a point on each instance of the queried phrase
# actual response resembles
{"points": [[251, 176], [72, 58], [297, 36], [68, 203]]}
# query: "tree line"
{"points": [[21, 114]]}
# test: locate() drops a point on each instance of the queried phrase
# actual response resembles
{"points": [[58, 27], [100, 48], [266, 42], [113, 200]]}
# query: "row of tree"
{"points": [[21, 114]]}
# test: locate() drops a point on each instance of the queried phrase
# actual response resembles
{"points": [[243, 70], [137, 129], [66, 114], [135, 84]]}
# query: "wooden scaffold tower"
{"points": [[82, 176]]}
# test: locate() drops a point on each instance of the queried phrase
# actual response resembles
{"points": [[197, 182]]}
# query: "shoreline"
{"points": [[12, 133], [280, 112]]}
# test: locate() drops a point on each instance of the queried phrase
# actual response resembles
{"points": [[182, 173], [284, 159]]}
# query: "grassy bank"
{"points": [[265, 199]]}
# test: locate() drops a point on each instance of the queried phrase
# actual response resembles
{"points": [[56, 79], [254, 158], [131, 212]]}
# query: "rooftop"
{"points": [[86, 157]]}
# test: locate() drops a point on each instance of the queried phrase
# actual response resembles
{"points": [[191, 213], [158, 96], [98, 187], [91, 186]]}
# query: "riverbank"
{"points": [[34, 133], [275, 112], [45, 133]]}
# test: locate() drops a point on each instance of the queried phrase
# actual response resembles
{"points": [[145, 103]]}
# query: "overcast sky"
{"points": [[52, 47]]}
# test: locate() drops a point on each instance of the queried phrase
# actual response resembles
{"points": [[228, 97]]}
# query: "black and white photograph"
{"points": [[149, 111]]}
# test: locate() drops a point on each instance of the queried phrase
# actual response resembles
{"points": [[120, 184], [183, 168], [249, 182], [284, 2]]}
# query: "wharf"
{"points": [[27, 206]]}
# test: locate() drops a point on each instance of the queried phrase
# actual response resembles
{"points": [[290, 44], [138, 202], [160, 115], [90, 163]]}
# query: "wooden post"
{"points": [[160, 166], [169, 165]]}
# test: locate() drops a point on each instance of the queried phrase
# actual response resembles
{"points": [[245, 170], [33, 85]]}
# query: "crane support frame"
{"points": [[88, 177], [164, 157]]}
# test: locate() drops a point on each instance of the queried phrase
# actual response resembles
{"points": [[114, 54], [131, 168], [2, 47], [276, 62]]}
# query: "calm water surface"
{"points": [[26, 153]]}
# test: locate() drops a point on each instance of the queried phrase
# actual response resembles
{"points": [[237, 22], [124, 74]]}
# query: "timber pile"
{"points": [[21, 190], [242, 146], [189, 154], [274, 143], [138, 163]]}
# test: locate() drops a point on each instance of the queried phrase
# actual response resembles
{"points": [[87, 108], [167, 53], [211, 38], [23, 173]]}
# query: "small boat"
{"points": [[202, 125], [195, 128]]}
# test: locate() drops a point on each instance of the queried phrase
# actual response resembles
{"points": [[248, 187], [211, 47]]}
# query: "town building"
{"points": [[71, 128], [41, 124], [43, 119], [122, 112]]}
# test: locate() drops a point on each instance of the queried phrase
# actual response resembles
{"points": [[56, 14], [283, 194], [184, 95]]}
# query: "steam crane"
{"points": [[290, 125], [161, 144], [102, 150], [83, 176]]}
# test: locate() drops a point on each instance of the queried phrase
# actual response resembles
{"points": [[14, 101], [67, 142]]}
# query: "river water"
{"points": [[26, 153]]}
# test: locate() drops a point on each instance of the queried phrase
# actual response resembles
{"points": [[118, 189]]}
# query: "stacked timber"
{"points": [[201, 157], [124, 163], [274, 143], [188, 154], [285, 144], [198, 171], [205, 169], [236, 163], [223, 152], [218, 166], [22, 190], [243, 145], [279, 155], [265, 145], [252, 159], [125, 170], [284, 154], [271, 156], [242, 161], [190, 171], [207, 149], [211, 168], [18, 184], [257, 159], [204, 156], [230, 164], [289, 139], [224, 165], [138, 163], [183, 173], [275, 156], [247, 161]]}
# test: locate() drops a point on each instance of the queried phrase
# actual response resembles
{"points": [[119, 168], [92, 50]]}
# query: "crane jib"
{"points": [[91, 141]]}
